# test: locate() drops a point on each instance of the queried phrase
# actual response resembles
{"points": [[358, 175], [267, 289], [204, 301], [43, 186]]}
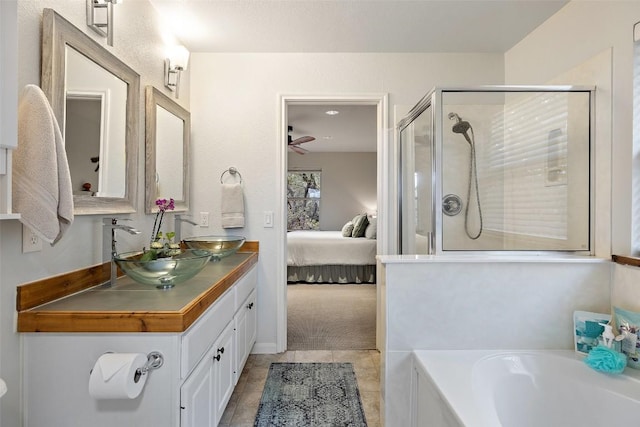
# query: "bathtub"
{"points": [[482, 388]]}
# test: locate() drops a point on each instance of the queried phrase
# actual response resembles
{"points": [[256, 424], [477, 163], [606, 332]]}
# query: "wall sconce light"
{"points": [[100, 17], [174, 65]]}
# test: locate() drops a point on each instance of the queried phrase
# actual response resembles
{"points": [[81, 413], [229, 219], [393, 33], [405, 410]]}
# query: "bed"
{"points": [[328, 257]]}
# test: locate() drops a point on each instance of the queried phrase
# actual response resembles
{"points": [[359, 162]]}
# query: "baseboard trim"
{"points": [[264, 348]]}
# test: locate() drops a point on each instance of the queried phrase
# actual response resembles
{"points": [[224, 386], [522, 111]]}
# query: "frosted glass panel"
{"points": [[521, 169], [417, 186], [497, 168]]}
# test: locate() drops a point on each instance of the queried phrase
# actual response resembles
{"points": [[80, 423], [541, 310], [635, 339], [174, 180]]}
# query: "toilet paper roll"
{"points": [[114, 376]]}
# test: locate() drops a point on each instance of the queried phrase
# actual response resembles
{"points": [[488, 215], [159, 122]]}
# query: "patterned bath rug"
{"points": [[310, 395]]}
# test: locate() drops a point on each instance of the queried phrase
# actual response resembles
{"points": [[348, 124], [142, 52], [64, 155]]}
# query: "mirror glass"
{"points": [[167, 129], [95, 98], [95, 127]]}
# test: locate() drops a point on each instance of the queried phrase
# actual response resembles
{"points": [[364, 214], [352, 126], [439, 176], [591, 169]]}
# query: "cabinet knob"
{"points": [[216, 358], [250, 306], [221, 350]]}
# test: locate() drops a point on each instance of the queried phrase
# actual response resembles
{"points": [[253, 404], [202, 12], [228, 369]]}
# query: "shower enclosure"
{"points": [[497, 168]]}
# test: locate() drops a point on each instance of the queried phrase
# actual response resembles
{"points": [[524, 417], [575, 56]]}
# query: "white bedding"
{"points": [[306, 247]]}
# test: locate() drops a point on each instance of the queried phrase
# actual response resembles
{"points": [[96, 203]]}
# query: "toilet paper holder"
{"points": [[154, 361]]}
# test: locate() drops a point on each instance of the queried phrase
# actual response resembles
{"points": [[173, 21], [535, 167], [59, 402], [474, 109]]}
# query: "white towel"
{"points": [[232, 206], [42, 192]]}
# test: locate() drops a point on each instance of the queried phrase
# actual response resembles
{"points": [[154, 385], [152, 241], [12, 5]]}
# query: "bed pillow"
{"points": [[360, 223], [372, 229], [347, 229]]}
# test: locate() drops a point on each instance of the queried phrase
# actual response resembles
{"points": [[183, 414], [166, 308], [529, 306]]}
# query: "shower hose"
{"points": [[473, 176]]}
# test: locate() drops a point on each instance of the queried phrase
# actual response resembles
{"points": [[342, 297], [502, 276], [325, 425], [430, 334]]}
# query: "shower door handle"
{"points": [[430, 242]]}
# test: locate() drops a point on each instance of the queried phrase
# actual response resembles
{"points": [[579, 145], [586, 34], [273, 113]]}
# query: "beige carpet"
{"points": [[331, 317]]}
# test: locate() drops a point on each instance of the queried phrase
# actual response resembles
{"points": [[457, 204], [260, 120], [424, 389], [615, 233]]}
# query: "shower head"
{"points": [[460, 126]]}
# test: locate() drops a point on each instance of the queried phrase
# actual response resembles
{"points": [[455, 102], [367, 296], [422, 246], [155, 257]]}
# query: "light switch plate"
{"points": [[268, 219]]}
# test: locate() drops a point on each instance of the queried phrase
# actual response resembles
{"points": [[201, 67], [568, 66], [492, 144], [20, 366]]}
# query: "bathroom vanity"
{"points": [[204, 329]]}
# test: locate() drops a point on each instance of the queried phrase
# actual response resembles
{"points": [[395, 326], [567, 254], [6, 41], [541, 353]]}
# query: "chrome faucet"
{"points": [[110, 225], [179, 219]]}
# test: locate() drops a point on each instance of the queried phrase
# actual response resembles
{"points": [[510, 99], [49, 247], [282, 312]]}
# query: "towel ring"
{"points": [[233, 171]]}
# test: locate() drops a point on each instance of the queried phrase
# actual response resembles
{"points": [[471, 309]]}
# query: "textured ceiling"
{"points": [[479, 26], [352, 130], [353, 25]]}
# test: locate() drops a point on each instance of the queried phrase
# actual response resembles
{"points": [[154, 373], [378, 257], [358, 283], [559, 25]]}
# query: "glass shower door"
{"points": [[520, 163], [416, 185]]}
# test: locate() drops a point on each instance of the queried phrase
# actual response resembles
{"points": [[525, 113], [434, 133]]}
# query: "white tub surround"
{"points": [[625, 291], [464, 302], [487, 388]]}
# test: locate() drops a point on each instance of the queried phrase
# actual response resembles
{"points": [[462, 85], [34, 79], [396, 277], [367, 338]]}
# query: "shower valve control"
{"points": [[451, 205]]}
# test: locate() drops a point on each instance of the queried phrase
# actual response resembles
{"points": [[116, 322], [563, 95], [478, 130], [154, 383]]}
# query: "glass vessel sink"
{"points": [[217, 246], [164, 273]]}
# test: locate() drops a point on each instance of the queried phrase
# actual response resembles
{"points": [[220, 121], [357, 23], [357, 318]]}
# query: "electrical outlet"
{"points": [[204, 219], [30, 241]]}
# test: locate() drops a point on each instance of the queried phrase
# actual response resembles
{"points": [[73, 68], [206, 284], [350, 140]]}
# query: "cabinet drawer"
{"points": [[244, 286], [199, 337]]}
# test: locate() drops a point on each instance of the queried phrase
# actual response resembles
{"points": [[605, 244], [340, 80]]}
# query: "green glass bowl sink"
{"points": [[217, 246], [164, 273]]}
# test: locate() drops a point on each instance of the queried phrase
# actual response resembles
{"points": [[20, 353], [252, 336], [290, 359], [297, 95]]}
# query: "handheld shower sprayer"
{"points": [[463, 127], [460, 126]]}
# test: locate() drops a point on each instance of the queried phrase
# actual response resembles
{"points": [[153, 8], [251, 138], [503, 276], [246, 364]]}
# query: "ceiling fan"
{"points": [[294, 144]]}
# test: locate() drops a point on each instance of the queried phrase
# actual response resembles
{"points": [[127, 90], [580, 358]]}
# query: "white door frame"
{"points": [[384, 187]]}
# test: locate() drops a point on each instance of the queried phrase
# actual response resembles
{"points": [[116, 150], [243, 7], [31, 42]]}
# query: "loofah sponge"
{"points": [[607, 360]]}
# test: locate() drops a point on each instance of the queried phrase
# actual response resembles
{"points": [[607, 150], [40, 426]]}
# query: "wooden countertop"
{"points": [[128, 306]]}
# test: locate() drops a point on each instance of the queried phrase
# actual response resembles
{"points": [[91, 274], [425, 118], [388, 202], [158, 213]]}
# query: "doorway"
{"points": [[289, 104]]}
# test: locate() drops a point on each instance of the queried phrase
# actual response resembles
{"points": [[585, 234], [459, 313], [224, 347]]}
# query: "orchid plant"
{"points": [[163, 205], [161, 245]]}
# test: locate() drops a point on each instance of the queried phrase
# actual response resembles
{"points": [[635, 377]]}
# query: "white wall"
{"points": [[8, 73], [138, 42], [578, 32], [235, 116], [8, 129], [625, 292], [348, 184], [8, 99]]}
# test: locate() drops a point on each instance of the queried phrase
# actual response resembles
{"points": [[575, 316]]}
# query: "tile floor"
{"points": [[243, 405]]}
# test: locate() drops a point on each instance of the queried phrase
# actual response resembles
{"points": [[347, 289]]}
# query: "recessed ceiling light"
{"points": [[327, 137], [332, 112]]}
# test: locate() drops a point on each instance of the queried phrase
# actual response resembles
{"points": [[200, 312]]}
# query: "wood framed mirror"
{"points": [[167, 135], [95, 97]]}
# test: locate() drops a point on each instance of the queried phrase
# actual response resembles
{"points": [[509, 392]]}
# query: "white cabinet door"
{"points": [[245, 321], [205, 394], [252, 321], [240, 320], [222, 367], [196, 397]]}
